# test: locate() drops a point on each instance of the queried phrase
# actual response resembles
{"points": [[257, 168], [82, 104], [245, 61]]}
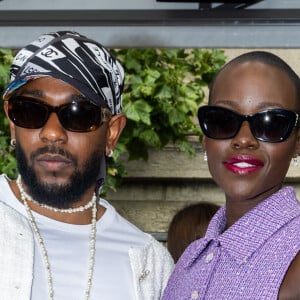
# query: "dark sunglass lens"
{"points": [[80, 116], [27, 114], [218, 122], [273, 126]]}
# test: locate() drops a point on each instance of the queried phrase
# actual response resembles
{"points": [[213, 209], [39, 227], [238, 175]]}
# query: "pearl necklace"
{"points": [[44, 250], [55, 209]]}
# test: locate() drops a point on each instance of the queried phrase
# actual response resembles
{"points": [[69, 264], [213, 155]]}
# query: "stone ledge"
{"points": [[151, 213]]}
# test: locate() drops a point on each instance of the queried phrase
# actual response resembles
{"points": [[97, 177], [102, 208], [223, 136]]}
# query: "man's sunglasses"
{"points": [[272, 125], [79, 116]]}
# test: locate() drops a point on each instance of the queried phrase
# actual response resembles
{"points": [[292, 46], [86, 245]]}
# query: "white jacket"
{"points": [[151, 264]]}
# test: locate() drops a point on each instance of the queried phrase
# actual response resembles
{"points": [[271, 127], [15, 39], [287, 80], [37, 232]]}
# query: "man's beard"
{"points": [[58, 195]]}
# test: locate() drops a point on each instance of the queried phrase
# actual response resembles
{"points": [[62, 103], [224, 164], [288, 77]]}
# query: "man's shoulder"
{"points": [[9, 215], [4, 185]]}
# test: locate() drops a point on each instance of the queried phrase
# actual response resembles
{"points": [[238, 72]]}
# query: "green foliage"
{"points": [[163, 89], [7, 158]]}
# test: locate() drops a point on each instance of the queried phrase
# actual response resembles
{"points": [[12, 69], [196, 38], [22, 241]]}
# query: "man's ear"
{"points": [[11, 124], [115, 128]]}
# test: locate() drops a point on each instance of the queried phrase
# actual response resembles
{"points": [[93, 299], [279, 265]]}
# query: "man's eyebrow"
{"points": [[78, 97], [35, 92]]}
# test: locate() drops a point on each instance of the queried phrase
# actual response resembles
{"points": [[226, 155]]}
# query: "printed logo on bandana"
{"points": [[42, 40], [33, 68], [50, 53], [21, 57]]}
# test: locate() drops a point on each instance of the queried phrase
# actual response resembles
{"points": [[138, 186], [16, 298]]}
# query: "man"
{"points": [[58, 239]]}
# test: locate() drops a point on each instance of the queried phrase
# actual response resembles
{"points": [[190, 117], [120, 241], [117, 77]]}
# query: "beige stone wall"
{"points": [[153, 191], [291, 56]]}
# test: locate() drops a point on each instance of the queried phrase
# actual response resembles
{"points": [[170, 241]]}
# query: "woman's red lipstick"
{"points": [[243, 164]]}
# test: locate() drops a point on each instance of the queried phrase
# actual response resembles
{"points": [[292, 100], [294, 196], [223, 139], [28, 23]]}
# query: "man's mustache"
{"points": [[53, 150]]}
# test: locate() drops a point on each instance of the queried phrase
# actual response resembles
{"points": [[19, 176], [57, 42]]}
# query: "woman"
{"points": [[250, 250]]}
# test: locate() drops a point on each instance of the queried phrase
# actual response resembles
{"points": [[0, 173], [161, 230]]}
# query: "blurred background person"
{"points": [[189, 224]]}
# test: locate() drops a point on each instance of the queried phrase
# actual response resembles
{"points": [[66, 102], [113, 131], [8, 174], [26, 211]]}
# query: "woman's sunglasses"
{"points": [[272, 125], [79, 116]]}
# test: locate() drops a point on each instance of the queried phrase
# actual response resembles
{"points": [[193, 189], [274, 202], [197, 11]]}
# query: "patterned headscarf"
{"points": [[75, 59]]}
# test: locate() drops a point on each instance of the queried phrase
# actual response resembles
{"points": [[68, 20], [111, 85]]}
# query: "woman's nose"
{"points": [[244, 138]]}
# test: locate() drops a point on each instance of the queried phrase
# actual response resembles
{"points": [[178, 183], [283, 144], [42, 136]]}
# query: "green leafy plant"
{"points": [[7, 158], [163, 89]]}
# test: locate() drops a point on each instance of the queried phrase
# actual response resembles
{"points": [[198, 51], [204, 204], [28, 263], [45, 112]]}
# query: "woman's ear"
{"points": [[115, 128], [11, 124]]}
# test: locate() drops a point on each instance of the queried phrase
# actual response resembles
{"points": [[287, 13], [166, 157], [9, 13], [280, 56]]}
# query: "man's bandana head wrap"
{"points": [[74, 59]]}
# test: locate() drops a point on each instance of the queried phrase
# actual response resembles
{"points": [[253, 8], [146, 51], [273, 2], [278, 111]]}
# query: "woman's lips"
{"points": [[243, 164]]}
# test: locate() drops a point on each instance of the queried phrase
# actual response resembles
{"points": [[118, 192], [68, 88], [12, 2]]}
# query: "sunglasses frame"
{"points": [[242, 118], [105, 113]]}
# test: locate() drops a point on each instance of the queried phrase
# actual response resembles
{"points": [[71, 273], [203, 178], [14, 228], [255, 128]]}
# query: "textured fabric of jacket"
{"points": [[151, 264], [248, 261]]}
